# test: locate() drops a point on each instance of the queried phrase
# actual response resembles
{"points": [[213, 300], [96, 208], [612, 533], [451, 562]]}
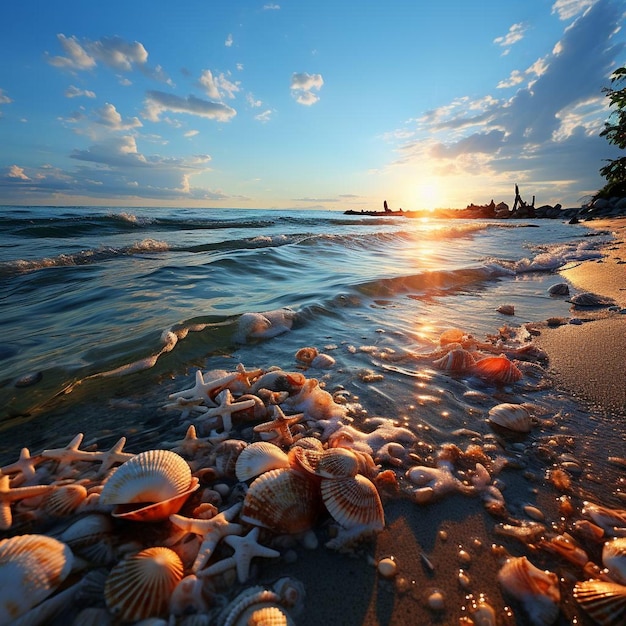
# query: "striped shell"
{"points": [[608, 519], [31, 568], [456, 360], [323, 361], [604, 601], [353, 501], [513, 417], [497, 369], [282, 500], [64, 500], [140, 586], [536, 589], [259, 457], [614, 559], [331, 463]]}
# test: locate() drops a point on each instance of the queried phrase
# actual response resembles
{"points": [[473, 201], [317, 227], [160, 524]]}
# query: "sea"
{"points": [[105, 312]]}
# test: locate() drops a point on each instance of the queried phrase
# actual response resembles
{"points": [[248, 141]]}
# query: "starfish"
{"points": [[246, 548], [203, 389], [212, 531], [189, 445], [9, 494], [25, 466], [280, 424], [113, 456], [227, 407]]}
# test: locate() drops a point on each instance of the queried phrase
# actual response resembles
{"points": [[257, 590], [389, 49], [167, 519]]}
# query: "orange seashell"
{"points": [[140, 586], [331, 463], [604, 601], [353, 501], [281, 500], [64, 500], [456, 360], [306, 355], [497, 369], [614, 558], [452, 335]]}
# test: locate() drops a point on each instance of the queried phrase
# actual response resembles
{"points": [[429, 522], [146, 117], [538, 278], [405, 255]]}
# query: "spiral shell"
{"points": [[614, 559], [604, 601], [140, 586], [513, 417], [259, 457], [64, 500], [497, 369], [536, 589], [282, 500], [306, 355], [31, 568], [331, 463], [353, 501], [456, 360]]}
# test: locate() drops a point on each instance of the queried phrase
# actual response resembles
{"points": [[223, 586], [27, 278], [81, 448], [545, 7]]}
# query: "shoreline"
{"points": [[585, 358]]}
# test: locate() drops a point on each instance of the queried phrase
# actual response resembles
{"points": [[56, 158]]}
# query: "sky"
{"points": [[294, 104]]}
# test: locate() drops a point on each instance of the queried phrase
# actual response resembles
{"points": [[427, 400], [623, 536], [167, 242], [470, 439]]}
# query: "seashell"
{"points": [[604, 601], [614, 559], [331, 463], [612, 521], [93, 616], [506, 309], [456, 360], [265, 615], [277, 380], [151, 476], [306, 355], [282, 500], [86, 530], [536, 589], [238, 611], [323, 361], [353, 501], [309, 443], [514, 417], [226, 454], [560, 289], [452, 335], [31, 568], [590, 300], [259, 457], [64, 500], [497, 369], [140, 586]]}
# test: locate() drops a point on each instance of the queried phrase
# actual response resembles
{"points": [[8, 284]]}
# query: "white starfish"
{"points": [[227, 407], [203, 389], [246, 548], [113, 456], [9, 495], [25, 466], [212, 531]]}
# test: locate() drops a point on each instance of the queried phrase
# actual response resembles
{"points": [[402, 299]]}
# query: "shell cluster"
{"points": [[268, 459]]}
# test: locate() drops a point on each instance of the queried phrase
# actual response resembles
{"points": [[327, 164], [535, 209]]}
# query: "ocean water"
{"points": [[105, 312]]}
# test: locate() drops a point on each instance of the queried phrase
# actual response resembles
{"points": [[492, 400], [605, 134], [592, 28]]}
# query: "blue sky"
{"points": [[294, 104]]}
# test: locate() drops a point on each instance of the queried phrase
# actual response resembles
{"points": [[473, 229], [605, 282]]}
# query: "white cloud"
{"points": [[515, 34], [74, 92], [302, 86], [157, 102], [191, 133], [217, 87], [229, 41], [566, 9], [109, 116], [264, 117], [252, 101], [17, 172], [515, 78], [77, 58], [307, 98], [4, 99], [271, 6]]}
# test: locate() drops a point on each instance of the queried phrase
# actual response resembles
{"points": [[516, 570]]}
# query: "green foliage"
{"points": [[615, 133]]}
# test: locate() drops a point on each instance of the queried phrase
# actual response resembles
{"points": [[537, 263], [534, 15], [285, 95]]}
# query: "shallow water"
{"points": [[106, 312]]}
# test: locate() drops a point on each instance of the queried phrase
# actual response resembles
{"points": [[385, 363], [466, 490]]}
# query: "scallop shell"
{"points": [[588, 299], [608, 519], [614, 559], [309, 443], [514, 417], [151, 476], [64, 500], [282, 500], [604, 601], [31, 568], [353, 501], [497, 369], [140, 586], [259, 457], [560, 289], [536, 589], [323, 361], [456, 360], [331, 463], [264, 615]]}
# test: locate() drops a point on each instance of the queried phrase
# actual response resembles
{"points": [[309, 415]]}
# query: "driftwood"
{"points": [[518, 200]]}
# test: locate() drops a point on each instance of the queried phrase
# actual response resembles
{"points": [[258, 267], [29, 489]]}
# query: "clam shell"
{"points": [[588, 299], [31, 568], [140, 586], [614, 559], [64, 500], [497, 369], [560, 289], [514, 417], [353, 501], [456, 360], [331, 463], [608, 519], [259, 457], [282, 500], [151, 476], [604, 601], [323, 361], [536, 589]]}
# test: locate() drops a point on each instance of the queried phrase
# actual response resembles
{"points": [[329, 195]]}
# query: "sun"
{"points": [[427, 195]]}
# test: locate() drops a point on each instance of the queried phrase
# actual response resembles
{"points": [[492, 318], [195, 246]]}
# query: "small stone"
{"points": [[387, 567], [436, 600]]}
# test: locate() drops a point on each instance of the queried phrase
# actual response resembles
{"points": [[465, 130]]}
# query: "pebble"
{"points": [[387, 567]]}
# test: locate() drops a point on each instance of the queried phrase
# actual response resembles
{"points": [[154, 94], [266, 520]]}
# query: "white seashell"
{"points": [[86, 530], [536, 589], [259, 457], [560, 289], [456, 360], [140, 586], [309, 443], [151, 476], [282, 500], [323, 361], [331, 463], [353, 501], [64, 500], [604, 601], [31, 568], [614, 559], [511, 416]]}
